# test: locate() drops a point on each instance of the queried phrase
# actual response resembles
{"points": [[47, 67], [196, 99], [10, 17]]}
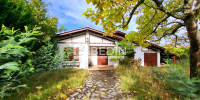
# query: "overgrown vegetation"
{"points": [[47, 58], [27, 43], [124, 53], [15, 57], [30, 13], [51, 85], [179, 81], [143, 84], [170, 82]]}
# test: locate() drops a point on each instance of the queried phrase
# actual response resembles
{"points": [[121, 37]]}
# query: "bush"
{"points": [[179, 81], [142, 84], [47, 58], [128, 62], [129, 59], [15, 58]]}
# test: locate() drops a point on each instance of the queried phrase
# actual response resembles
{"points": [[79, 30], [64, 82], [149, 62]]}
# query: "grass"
{"points": [[51, 85], [143, 84]]}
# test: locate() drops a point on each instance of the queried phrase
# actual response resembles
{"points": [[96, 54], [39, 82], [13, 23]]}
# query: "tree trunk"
{"points": [[194, 37]]}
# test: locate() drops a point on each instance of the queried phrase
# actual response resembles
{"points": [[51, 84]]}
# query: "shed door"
{"points": [[102, 57], [150, 59]]}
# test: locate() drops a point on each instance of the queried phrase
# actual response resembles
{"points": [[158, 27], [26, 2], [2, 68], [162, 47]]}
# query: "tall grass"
{"points": [[51, 85], [143, 84]]}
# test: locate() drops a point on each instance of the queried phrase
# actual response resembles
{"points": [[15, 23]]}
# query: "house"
{"points": [[90, 47]]}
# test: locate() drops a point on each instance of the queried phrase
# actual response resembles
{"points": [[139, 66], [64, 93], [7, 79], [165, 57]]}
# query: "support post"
{"points": [[174, 60]]}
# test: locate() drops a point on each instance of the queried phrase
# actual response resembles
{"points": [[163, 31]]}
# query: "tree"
{"points": [[42, 19], [31, 13], [155, 18], [61, 29], [16, 13]]}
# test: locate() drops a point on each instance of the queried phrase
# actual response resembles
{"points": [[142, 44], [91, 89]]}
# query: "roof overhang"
{"points": [[89, 29]]}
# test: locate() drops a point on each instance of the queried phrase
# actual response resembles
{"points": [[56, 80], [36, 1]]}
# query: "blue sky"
{"points": [[69, 14]]}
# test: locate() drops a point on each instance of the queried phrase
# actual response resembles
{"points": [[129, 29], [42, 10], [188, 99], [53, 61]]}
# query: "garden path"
{"points": [[99, 85]]}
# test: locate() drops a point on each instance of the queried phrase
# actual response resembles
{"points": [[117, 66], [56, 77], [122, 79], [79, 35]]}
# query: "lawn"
{"points": [[51, 84], [142, 84]]}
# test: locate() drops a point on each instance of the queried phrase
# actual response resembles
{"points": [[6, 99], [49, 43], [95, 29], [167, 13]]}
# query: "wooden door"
{"points": [[102, 57], [150, 59]]}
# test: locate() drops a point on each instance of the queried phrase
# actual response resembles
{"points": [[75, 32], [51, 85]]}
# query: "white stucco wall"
{"points": [[85, 41], [95, 39], [79, 39], [107, 41], [158, 58], [140, 54]]}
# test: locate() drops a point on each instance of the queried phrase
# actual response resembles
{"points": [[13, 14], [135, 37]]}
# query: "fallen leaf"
{"points": [[62, 95], [58, 86], [38, 87]]}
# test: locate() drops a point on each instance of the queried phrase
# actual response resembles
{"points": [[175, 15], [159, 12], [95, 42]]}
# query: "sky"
{"points": [[69, 14]]}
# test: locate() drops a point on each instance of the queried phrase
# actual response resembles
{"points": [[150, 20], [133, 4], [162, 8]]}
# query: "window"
{"points": [[71, 53]]}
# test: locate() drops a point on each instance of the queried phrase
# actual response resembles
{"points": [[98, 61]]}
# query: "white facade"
{"points": [[89, 43]]}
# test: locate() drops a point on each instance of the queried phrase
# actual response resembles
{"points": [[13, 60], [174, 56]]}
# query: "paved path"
{"points": [[100, 85]]}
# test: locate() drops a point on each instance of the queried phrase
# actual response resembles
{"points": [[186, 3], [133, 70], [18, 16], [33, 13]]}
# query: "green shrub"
{"points": [[179, 81], [47, 58], [15, 58], [142, 84]]}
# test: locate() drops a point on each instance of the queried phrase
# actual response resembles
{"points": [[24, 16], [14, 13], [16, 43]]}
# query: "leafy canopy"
{"points": [[155, 18], [30, 13]]}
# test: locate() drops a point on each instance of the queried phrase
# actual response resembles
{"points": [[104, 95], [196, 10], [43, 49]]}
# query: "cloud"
{"points": [[69, 13]]}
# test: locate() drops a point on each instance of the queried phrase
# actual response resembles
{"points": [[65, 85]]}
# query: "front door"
{"points": [[102, 57], [150, 59]]}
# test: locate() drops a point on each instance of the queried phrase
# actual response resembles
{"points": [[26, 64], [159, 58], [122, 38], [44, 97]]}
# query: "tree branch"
{"points": [[150, 20], [158, 24], [196, 10], [161, 8], [132, 12], [174, 30], [174, 22]]}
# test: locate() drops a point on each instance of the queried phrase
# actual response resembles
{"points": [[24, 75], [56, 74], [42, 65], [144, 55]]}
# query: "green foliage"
{"points": [[182, 52], [136, 38], [179, 81], [126, 48], [15, 56], [31, 13], [16, 13], [128, 62], [21, 48], [61, 29], [18, 58], [152, 17], [47, 58], [142, 84], [50, 84]]}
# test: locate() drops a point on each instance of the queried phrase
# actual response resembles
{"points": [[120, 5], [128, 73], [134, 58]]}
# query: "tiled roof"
{"points": [[100, 32]]}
